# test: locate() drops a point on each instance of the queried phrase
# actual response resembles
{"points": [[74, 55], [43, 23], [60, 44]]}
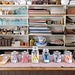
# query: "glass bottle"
{"points": [[57, 1], [31, 42]]}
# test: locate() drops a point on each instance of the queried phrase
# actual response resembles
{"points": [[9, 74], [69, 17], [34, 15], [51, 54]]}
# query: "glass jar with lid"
{"points": [[24, 57], [46, 56], [57, 56], [68, 56]]}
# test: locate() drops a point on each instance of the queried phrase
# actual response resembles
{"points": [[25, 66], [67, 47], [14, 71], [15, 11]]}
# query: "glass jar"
{"points": [[24, 56], [46, 58], [68, 56], [14, 57], [74, 55], [35, 55], [57, 56]]}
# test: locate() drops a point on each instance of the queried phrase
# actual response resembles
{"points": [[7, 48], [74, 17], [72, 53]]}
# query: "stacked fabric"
{"points": [[38, 12], [37, 22], [72, 2], [39, 30], [57, 11]]}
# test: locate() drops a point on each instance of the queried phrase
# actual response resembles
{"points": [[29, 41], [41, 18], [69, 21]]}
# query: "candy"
{"points": [[24, 57]]}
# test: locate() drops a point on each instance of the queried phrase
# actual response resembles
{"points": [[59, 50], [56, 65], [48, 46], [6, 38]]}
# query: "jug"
{"points": [[41, 42], [41, 39]]}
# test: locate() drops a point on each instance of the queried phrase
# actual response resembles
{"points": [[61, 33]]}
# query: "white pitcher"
{"points": [[64, 2]]}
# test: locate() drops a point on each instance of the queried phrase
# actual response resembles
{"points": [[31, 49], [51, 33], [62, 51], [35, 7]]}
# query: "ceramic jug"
{"points": [[64, 2], [42, 39]]}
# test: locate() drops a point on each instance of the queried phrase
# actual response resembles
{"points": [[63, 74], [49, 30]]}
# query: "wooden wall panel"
{"points": [[41, 72], [34, 73], [26, 72], [55, 73], [11, 73], [70, 72], [0, 72], [4, 72], [63, 73], [19, 72], [48, 72]]}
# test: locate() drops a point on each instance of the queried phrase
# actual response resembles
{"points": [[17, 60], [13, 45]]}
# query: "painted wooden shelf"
{"points": [[46, 15], [29, 48], [45, 35], [11, 35], [13, 15]]}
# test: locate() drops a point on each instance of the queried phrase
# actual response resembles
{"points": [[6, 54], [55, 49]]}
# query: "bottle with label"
{"points": [[57, 1], [31, 42]]}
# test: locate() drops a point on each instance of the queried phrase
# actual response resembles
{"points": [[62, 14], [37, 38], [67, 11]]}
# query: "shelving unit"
{"points": [[46, 35]]}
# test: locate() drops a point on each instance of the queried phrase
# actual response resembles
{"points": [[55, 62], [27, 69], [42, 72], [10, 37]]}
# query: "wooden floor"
{"points": [[37, 72]]}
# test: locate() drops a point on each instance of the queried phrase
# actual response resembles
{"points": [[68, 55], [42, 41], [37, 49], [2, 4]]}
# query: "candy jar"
{"points": [[35, 55], [68, 56], [57, 57], [74, 55], [14, 57], [46, 55], [24, 57]]}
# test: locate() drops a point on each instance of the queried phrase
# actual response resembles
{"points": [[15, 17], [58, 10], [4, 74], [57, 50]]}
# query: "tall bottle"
{"points": [[31, 42]]}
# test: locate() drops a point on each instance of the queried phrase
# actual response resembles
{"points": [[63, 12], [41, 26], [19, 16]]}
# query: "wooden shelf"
{"points": [[46, 15], [11, 35], [48, 25], [46, 5], [13, 5], [13, 15], [44, 35]]}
